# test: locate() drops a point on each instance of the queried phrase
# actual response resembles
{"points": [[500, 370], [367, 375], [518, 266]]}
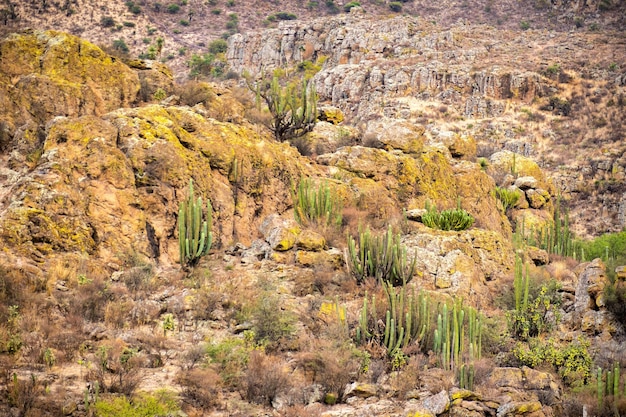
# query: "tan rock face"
{"points": [[109, 186], [47, 74]]}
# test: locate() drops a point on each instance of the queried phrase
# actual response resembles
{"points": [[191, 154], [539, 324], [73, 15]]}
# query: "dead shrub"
{"points": [[90, 300], [116, 368], [195, 92], [408, 379], [201, 387], [206, 301], [264, 379], [116, 313], [331, 366]]}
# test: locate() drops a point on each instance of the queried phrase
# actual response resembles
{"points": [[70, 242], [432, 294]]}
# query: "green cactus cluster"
{"points": [[453, 333], [316, 205], [382, 257], [194, 228], [458, 335], [608, 384], [466, 376], [453, 219]]}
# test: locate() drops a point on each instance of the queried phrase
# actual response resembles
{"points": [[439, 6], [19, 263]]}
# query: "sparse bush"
{"points": [[453, 219], [284, 16], [395, 6], [350, 5], [200, 387], [230, 358], [194, 92], [524, 25], [107, 22], [264, 379], [216, 11], [218, 46], [120, 46], [271, 323]]}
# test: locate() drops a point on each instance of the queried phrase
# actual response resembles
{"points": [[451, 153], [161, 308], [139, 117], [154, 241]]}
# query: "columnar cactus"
{"points": [[194, 232]]}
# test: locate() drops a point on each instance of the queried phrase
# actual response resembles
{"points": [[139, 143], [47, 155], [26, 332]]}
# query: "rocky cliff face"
{"points": [[529, 92]]}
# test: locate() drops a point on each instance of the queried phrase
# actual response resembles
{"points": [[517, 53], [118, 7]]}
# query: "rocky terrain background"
{"points": [[96, 306]]}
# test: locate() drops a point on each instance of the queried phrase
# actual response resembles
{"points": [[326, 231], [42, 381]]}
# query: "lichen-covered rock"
{"points": [[332, 258], [394, 134], [48, 74], [280, 233], [327, 138], [310, 240], [438, 403], [330, 114], [519, 408]]}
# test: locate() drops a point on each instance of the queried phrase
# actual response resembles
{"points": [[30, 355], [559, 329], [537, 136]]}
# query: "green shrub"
{"points": [[129, 24], [183, 22], [218, 46], [395, 6], [535, 313], [271, 324], [319, 206], [230, 357], [524, 25], [348, 6], [453, 219], [216, 12], [230, 3], [173, 8], [285, 16], [206, 65], [162, 403], [507, 197], [120, 45], [572, 361], [382, 257], [107, 22]]}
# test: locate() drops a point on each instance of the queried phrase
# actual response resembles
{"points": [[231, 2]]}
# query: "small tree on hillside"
{"points": [[293, 107]]}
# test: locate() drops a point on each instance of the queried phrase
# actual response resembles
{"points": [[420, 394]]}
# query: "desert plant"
{"points": [[194, 229], [270, 323], [319, 205], [350, 5], [264, 378], [173, 8], [293, 107], [508, 197], [572, 361], [218, 46], [382, 257], [395, 6], [453, 219], [453, 333], [533, 314], [158, 404]]}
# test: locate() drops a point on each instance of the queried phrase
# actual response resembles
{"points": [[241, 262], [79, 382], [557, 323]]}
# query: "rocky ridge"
{"points": [[530, 92], [89, 209]]}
